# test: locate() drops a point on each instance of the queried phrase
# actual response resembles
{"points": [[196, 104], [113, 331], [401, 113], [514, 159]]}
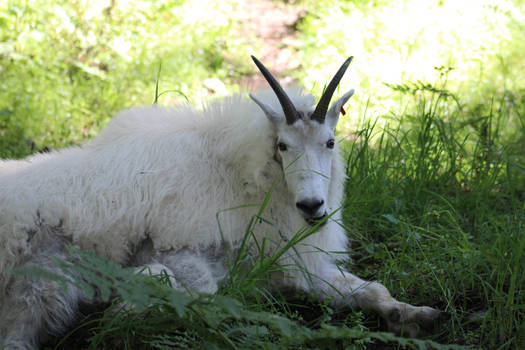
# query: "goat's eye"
{"points": [[330, 143], [282, 146]]}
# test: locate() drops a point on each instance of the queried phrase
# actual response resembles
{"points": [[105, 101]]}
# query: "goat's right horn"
{"points": [[319, 113], [289, 110]]}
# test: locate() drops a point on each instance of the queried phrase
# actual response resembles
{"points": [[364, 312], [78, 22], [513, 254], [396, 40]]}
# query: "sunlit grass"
{"points": [[401, 41], [67, 67]]}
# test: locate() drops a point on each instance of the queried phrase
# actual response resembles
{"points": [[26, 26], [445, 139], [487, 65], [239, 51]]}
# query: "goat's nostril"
{"points": [[310, 207]]}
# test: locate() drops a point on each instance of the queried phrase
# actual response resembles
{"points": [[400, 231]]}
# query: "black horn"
{"points": [[322, 107], [289, 110]]}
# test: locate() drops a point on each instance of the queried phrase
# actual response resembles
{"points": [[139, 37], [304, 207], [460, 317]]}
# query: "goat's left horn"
{"points": [[319, 113], [289, 110]]}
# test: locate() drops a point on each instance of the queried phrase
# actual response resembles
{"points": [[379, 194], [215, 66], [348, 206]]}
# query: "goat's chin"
{"points": [[312, 221]]}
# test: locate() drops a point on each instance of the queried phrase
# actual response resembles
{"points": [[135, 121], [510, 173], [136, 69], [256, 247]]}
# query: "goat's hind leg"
{"points": [[35, 308]]}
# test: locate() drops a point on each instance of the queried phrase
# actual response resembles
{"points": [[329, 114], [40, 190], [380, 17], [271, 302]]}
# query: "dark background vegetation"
{"points": [[434, 142]]}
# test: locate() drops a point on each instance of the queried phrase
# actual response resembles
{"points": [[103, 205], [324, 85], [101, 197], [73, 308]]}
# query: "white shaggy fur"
{"points": [[147, 191]]}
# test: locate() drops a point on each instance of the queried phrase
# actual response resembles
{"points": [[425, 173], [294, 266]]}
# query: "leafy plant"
{"points": [[147, 313]]}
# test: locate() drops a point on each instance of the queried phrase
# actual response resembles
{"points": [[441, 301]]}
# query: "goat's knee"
{"points": [[156, 269], [187, 271], [193, 271]]}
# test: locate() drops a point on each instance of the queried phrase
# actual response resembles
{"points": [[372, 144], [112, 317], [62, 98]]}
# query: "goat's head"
{"points": [[305, 143]]}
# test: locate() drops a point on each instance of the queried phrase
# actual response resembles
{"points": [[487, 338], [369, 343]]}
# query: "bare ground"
{"points": [[272, 25]]}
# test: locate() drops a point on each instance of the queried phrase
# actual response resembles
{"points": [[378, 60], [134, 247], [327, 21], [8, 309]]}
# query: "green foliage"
{"points": [[67, 67], [439, 195], [149, 314]]}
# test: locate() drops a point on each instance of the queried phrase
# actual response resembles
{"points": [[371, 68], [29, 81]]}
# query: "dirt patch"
{"points": [[272, 24]]}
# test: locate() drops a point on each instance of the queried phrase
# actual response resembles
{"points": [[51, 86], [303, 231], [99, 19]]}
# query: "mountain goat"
{"points": [[147, 190]]}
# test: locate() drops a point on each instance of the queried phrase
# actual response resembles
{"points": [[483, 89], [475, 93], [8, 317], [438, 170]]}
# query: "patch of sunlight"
{"points": [[210, 12], [404, 40]]}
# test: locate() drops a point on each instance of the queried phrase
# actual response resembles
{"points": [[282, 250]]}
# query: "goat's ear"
{"points": [[332, 116], [270, 113]]}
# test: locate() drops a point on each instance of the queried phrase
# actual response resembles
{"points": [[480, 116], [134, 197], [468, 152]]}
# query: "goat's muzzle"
{"points": [[311, 210]]}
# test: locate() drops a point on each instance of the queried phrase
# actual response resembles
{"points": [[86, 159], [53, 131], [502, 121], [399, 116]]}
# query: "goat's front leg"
{"points": [[402, 318]]}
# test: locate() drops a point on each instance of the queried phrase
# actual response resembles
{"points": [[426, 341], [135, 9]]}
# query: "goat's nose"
{"points": [[310, 206]]}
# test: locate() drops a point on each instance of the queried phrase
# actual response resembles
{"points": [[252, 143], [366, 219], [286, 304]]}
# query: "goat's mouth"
{"points": [[317, 220]]}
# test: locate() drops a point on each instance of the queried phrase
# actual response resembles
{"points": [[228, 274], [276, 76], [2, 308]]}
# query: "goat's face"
{"points": [[305, 150], [305, 144]]}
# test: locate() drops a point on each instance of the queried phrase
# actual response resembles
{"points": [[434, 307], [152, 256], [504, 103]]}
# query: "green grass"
{"points": [[436, 207], [435, 197], [66, 67]]}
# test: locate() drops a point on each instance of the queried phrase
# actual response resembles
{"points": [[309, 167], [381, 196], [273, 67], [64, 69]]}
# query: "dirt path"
{"points": [[271, 23]]}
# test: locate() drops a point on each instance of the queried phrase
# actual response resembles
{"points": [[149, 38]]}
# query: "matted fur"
{"points": [[162, 175]]}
